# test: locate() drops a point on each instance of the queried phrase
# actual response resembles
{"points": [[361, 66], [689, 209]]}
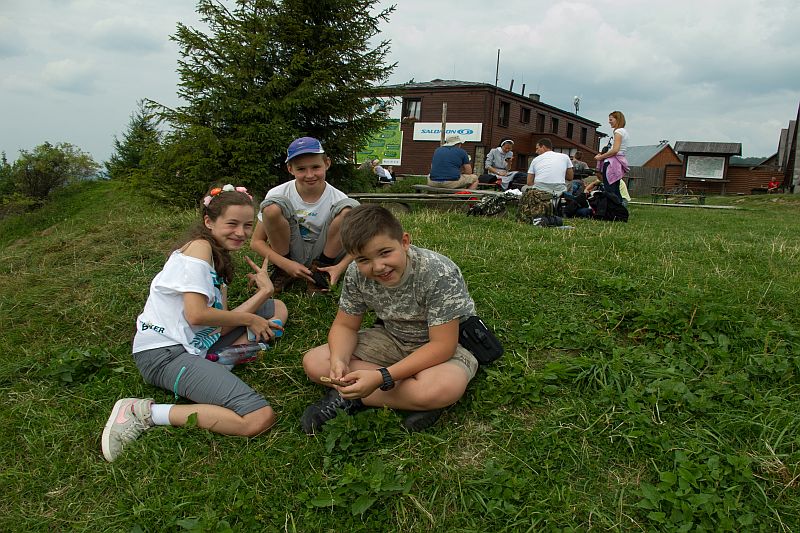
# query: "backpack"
{"points": [[488, 206], [607, 207], [573, 202], [535, 204]]}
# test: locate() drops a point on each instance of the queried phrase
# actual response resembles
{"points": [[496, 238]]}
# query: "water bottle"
{"points": [[237, 354]]}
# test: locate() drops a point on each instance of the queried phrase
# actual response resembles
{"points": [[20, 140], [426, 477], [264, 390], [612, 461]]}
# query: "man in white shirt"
{"points": [[549, 170]]}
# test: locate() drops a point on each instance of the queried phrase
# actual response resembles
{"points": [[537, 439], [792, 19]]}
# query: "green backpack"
{"points": [[535, 204]]}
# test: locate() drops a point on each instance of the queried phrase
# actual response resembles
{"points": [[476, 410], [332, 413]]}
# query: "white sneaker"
{"points": [[129, 419]]}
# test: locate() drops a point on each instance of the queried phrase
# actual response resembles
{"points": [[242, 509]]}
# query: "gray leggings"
{"points": [[198, 379]]}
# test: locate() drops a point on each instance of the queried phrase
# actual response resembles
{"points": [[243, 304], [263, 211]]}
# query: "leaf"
{"points": [[362, 504]]}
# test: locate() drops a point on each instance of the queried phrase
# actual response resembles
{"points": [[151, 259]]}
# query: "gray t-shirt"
{"points": [[431, 292]]}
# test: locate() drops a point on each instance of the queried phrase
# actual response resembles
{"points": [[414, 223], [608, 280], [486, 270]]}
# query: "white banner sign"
{"points": [[432, 131]]}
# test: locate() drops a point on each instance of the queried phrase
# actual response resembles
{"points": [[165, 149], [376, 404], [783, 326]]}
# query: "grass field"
{"points": [[650, 383]]}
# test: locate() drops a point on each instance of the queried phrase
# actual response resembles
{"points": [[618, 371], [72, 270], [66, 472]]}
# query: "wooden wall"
{"points": [[482, 105], [741, 180]]}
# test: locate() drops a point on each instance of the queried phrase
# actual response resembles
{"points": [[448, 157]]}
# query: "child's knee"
{"points": [[281, 311], [272, 212], [258, 422], [317, 360]]}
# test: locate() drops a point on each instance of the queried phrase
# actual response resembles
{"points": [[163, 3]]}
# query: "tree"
{"points": [[268, 71], [36, 174], [138, 145]]}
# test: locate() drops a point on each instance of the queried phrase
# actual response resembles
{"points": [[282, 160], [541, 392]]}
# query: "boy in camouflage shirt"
{"points": [[410, 359]]}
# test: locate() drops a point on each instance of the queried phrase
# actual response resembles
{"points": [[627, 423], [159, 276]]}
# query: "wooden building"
{"points": [[484, 115], [648, 166], [706, 167]]}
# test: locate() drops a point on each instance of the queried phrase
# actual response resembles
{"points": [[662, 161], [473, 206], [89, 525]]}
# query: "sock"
{"points": [[325, 261], [159, 412]]}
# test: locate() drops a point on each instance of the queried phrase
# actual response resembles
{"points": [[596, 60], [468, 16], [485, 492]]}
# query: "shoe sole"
{"points": [[105, 443]]}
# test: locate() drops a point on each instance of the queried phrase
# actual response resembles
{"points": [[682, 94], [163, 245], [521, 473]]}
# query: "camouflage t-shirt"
{"points": [[431, 292]]}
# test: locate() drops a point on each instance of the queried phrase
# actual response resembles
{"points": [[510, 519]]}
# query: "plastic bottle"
{"points": [[237, 354]]}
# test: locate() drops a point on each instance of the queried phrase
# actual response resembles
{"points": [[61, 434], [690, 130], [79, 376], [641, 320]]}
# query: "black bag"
{"points": [[476, 337], [606, 206]]}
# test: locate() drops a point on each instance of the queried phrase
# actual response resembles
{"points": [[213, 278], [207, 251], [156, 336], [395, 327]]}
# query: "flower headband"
{"points": [[227, 188]]}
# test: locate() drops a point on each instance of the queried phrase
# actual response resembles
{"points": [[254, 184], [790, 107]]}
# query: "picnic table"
{"points": [[682, 194]]}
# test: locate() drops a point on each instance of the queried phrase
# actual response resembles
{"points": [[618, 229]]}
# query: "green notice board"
{"points": [[386, 145]]}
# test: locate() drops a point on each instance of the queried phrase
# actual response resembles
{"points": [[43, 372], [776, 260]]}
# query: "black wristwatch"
{"points": [[388, 382]]}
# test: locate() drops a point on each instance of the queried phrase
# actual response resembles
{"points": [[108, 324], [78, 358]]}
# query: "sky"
{"points": [[700, 70]]}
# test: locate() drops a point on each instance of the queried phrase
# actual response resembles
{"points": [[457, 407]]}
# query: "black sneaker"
{"points": [[420, 420], [317, 414]]}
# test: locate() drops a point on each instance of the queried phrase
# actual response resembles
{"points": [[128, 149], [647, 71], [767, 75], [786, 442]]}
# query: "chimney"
{"points": [[534, 96]]}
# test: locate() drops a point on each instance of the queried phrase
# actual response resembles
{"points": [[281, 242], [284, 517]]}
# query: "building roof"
{"points": [[637, 156], [458, 84], [690, 147]]}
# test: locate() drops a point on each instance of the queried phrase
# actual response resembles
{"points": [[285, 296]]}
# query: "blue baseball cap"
{"points": [[303, 145]]}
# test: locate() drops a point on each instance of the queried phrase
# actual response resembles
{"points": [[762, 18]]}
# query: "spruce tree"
{"points": [[139, 143], [267, 71]]}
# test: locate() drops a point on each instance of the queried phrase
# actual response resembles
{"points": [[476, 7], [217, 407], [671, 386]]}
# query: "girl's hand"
{"points": [[366, 382], [259, 277], [262, 328]]}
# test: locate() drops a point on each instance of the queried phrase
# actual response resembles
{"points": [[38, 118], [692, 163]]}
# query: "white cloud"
{"points": [[70, 75], [716, 70]]}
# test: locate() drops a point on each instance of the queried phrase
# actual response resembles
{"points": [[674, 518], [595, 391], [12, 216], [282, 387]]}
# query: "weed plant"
{"points": [[650, 383]]}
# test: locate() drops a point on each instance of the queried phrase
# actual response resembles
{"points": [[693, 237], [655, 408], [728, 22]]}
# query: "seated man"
{"points": [[774, 185], [578, 164], [450, 168], [498, 164], [549, 170], [383, 175]]}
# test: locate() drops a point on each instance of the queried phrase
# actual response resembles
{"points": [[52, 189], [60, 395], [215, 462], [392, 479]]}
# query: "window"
{"points": [[505, 111], [554, 125], [525, 115], [540, 122], [570, 130], [584, 133], [412, 107]]}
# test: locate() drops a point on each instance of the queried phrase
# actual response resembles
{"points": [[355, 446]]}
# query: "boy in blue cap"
{"points": [[299, 221]]}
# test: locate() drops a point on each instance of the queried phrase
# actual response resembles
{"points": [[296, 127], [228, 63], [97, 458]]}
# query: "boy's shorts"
{"points": [[379, 347]]}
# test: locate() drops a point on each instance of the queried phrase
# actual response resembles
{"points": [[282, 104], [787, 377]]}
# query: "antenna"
{"points": [[577, 103]]}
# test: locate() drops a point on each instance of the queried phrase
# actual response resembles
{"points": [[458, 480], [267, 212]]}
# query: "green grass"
{"points": [[650, 384]]}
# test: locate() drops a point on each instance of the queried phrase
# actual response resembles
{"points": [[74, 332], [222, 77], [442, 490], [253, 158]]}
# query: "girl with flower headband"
{"points": [[185, 317]]}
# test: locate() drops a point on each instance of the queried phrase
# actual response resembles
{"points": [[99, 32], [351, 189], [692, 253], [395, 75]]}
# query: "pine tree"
{"points": [[266, 72], [138, 145]]}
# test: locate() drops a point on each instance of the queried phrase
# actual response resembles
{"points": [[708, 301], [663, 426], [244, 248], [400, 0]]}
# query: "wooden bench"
{"points": [[405, 200], [659, 193], [442, 191]]}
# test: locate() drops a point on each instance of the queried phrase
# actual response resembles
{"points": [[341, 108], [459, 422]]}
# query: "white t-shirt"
{"points": [[550, 167], [625, 140], [310, 216], [162, 323]]}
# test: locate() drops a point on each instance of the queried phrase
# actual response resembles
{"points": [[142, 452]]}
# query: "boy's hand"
{"points": [[339, 369], [366, 382], [299, 270], [333, 271]]}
